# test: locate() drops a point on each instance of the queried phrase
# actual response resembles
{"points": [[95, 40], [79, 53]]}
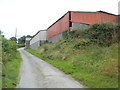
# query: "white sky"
{"points": [[30, 16]]}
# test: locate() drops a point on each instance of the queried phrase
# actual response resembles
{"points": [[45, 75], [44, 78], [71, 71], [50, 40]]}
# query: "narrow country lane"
{"points": [[36, 73]]}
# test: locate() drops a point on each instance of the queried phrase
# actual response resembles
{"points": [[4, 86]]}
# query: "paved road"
{"points": [[36, 73]]}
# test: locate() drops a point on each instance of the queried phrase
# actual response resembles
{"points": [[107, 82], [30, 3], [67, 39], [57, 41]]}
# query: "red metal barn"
{"points": [[75, 20]]}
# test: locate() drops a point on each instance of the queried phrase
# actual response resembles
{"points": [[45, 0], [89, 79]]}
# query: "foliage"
{"points": [[11, 71], [0, 62], [21, 40], [8, 50], [79, 33], [82, 43], [11, 63], [13, 39], [1, 32], [116, 37], [102, 34]]}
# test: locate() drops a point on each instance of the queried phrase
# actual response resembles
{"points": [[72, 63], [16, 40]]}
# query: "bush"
{"points": [[101, 33], [82, 43], [116, 37], [8, 50], [80, 33]]}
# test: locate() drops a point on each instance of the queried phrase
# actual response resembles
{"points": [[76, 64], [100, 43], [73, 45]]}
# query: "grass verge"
{"points": [[11, 71], [95, 67]]}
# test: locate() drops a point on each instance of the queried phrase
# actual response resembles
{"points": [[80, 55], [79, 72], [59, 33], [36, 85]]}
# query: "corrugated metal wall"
{"points": [[105, 17], [35, 39], [91, 18], [41, 35], [38, 39], [60, 26]]}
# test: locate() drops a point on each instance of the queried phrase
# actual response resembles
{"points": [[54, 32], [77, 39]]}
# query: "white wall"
{"points": [[42, 35]]}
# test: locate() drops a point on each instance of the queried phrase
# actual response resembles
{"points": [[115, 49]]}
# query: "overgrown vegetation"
{"points": [[89, 55], [11, 72], [11, 63], [0, 61]]}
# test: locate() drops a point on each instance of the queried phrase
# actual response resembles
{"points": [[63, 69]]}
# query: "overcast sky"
{"points": [[30, 16]]}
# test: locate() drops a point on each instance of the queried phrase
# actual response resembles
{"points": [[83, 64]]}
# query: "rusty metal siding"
{"points": [[87, 18], [108, 17], [60, 26], [91, 18]]}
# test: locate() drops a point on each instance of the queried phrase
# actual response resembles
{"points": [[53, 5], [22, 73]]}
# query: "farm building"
{"points": [[70, 21], [27, 42], [38, 39], [76, 19]]}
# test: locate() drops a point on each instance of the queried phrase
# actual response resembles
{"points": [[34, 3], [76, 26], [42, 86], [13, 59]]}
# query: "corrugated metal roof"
{"points": [[93, 12]]}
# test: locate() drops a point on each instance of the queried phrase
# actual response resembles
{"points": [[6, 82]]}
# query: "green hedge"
{"points": [[8, 50], [102, 34]]}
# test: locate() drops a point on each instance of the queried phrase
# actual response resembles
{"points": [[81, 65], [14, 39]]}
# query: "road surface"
{"points": [[36, 73]]}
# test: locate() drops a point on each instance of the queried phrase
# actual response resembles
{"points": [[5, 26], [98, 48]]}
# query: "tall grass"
{"points": [[94, 66], [11, 71]]}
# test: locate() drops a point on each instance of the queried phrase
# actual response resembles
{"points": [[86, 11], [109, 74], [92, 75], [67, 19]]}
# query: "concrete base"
{"points": [[78, 26], [56, 38], [35, 45]]}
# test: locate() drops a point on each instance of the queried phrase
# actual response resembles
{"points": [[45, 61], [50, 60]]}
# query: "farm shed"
{"points": [[38, 39], [75, 20], [27, 42]]}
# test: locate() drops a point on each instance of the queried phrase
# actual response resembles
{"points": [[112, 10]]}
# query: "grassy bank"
{"points": [[11, 72], [94, 66]]}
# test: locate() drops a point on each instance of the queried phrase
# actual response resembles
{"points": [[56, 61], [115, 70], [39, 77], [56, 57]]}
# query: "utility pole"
{"points": [[16, 36], [16, 33]]}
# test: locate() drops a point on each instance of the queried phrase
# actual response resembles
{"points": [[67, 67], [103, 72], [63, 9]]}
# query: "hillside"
{"points": [[94, 62]]}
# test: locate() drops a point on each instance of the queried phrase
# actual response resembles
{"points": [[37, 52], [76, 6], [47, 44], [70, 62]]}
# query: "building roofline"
{"points": [[107, 13], [57, 20], [37, 33], [93, 12], [83, 11]]}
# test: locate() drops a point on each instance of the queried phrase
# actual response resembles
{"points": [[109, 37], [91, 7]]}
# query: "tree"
{"points": [[1, 32], [13, 39], [28, 36], [21, 40]]}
